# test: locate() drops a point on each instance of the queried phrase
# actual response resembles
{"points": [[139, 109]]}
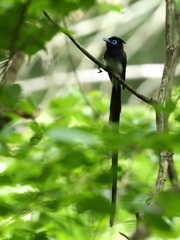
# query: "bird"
{"points": [[116, 60]]}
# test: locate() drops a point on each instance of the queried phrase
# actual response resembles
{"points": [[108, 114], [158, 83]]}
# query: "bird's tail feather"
{"points": [[115, 105], [114, 172], [115, 110]]}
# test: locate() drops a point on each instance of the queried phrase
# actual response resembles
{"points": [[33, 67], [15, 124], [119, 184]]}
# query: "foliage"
{"points": [[55, 180], [55, 168], [29, 30]]}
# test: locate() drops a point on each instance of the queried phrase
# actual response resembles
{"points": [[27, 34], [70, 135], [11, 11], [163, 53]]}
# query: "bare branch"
{"points": [[100, 65], [124, 235], [77, 79], [165, 158], [162, 118], [11, 72], [173, 177], [8, 69], [177, 18], [172, 58], [141, 231]]}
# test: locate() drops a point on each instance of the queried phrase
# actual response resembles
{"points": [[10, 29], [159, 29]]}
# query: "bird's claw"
{"points": [[100, 71]]}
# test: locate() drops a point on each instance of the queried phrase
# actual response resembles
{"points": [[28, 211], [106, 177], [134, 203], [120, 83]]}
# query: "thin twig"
{"points": [[77, 79], [124, 235], [100, 65]]}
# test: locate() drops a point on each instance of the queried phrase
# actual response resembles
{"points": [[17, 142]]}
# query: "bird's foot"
{"points": [[100, 71]]}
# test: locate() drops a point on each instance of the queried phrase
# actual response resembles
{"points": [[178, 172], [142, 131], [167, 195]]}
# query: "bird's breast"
{"points": [[114, 65]]}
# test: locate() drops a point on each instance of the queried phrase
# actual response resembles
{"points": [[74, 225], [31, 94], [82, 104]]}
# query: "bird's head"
{"points": [[114, 42]]}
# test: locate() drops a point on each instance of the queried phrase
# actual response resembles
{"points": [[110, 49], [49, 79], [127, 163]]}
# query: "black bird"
{"points": [[115, 58]]}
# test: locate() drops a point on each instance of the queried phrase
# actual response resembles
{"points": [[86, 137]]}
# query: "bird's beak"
{"points": [[106, 40]]}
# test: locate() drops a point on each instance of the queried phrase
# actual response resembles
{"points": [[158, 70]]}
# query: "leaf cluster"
{"points": [[55, 170]]}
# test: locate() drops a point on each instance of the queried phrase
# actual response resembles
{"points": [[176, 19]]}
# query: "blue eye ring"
{"points": [[114, 42]]}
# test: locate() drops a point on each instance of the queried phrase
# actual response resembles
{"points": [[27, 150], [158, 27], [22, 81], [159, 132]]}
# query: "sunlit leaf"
{"points": [[71, 135], [110, 7], [95, 203], [9, 95], [40, 236]]}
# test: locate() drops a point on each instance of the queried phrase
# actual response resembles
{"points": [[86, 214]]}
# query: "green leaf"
{"points": [[52, 205], [170, 106], [86, 5], [103, 178], [5, 209], [105, 7], [10, 95], [34, 36], [5, 180], [58, 107], [71, 136], [26, 106], [169, 201], [6, 14], [95, 203], [40, 236], [158, 224], [74, 159]]}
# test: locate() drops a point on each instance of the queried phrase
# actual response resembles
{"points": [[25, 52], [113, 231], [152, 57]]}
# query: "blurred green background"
{"points": [[55, 141]]}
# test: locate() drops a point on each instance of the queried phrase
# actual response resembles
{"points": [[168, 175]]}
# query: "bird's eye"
{"points": [[114, 42]]}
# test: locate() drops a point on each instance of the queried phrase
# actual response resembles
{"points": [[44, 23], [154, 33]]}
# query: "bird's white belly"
{"points": [[114, 66]]}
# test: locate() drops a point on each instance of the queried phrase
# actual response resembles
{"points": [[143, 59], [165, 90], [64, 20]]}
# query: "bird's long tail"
{"points": [[115, 110]]}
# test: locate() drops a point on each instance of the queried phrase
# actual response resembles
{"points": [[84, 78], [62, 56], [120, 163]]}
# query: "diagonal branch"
{"points": [[77, 79], [100, 65], [124, 235]]}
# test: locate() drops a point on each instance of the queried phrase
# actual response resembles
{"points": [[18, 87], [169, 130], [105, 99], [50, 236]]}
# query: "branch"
{"points": [[8, 70], [10, 74], [177, 18], [174, 62], [12, 69], [161, 117], [124, 235], [141, 231], [172, 58], [173, 177], [100, 65], [77, 79], [165, 158]]}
